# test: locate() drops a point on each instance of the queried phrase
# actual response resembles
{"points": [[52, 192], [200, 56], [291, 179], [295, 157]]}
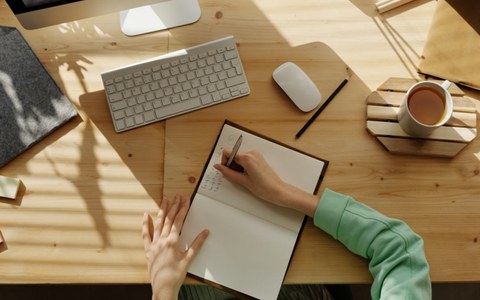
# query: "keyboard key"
{"points": [[115, 97], [127, 94], [186, 86], [230, 55], [118, 114], [129, 122], [183, 69], [138, 119], [120, 124], [150, 96], [136, 91], [149, 116], [129, 112], [168, 91], [184, 96], [211, 88], [234, 81], [175, 98], [145, 89], [219, 58], [156, 76], [154, 86], [206, 99], [148, 106], [138, 109], [157, 103], [177, 107], [220, 85], [202, 90], [147, 78], [216, 96], [141, 99], [166, 101], [110, 89], [118, 105], [231, 73], [131, 101]]}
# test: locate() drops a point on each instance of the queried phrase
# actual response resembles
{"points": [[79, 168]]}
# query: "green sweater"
{"points": [[397, 260]]}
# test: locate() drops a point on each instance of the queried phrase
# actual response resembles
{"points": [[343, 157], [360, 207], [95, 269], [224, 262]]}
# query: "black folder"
{"points": [[31, 104]]}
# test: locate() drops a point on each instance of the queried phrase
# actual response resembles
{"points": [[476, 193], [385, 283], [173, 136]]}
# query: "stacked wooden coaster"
{"points": [[446, 141]]}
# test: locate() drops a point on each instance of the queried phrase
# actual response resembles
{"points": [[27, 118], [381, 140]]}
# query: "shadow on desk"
{"points": [[140, 149]]}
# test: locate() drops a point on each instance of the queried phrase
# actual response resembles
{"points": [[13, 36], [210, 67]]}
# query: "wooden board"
{"points": [[446, 141]]}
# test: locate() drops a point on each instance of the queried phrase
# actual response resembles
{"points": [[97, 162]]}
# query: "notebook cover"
{"points": [[31, 104], [453, 44]]}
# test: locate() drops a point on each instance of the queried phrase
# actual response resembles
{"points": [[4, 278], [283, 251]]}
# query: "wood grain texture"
{"points": [[87, 187]]}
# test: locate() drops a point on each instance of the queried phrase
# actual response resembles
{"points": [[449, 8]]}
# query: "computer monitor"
{"points": [[136, 16]]}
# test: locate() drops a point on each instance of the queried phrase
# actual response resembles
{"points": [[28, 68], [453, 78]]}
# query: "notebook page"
{"points": [[242, 252]]}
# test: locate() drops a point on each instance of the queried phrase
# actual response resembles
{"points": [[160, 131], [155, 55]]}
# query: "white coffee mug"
{"points": [[411, 124]]}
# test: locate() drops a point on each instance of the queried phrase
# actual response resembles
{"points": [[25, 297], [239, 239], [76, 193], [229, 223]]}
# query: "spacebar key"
{"points": [[177, 108]]}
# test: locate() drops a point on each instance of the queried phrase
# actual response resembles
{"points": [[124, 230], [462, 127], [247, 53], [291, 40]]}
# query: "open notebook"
{"points": [[251, 241]]}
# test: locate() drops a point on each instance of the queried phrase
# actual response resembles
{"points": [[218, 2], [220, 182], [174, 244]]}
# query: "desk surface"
{"points": [[87, 187]]}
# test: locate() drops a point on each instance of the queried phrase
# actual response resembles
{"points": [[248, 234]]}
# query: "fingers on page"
{"points": [[197, 244]]}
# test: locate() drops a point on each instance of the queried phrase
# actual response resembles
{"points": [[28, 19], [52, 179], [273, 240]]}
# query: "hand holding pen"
{"points": [[231, 159]]}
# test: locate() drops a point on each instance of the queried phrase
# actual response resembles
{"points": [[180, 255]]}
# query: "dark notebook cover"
{"points": [[31, 104]]}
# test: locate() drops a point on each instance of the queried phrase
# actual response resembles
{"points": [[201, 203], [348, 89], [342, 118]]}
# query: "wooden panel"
{"points": [[421, 147], [458, 119]]}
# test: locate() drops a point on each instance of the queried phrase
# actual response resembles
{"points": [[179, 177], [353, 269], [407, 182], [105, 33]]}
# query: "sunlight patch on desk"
{"points": [[477, 155]]}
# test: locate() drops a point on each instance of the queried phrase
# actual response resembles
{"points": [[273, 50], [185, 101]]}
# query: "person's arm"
{"points": [[397, 260]]}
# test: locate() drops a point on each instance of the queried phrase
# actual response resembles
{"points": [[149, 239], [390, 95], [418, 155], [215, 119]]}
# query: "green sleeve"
{"points": [[397, 260]]}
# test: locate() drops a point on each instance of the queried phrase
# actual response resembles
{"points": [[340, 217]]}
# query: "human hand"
{"points": [[167, 263], [261, 180]]}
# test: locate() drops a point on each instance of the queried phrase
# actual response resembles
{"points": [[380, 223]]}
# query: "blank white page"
{"points": [[242, 252]]}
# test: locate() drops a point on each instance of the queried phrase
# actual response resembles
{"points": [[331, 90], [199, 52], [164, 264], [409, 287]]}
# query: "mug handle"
{"points": [[446, 84]]}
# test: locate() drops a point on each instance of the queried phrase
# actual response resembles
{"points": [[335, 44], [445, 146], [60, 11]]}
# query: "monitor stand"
{"points": [[159, 16]]}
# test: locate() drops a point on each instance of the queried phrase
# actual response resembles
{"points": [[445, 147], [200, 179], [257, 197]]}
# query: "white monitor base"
{"points": [[159, 16]]}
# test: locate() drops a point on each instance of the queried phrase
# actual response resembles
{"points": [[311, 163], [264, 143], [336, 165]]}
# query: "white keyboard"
{"points": [[174, 84]]}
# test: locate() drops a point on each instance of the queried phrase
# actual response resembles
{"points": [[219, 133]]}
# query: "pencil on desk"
{"points": [[315, 115]]}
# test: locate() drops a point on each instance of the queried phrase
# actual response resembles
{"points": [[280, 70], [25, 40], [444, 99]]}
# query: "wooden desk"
{"points": [[87, 187]]}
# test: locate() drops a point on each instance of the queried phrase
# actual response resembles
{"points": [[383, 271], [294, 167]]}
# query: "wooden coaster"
{"points": [[446, 141]]}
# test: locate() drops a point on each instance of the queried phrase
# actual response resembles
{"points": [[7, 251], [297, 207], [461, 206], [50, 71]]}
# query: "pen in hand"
{"points": [[230, 163]]}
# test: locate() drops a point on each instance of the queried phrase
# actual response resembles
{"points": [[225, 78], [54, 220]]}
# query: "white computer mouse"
{"points": [[298, 86]]}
